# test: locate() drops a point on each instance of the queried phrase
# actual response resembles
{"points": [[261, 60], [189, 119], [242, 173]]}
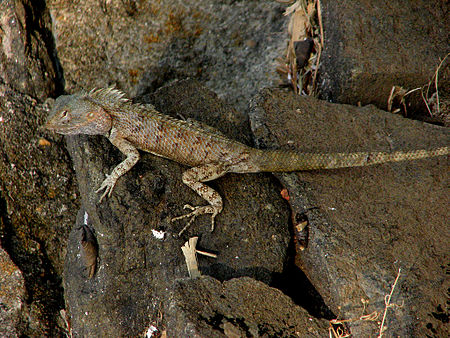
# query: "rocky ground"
{"points": [[215, 61]]}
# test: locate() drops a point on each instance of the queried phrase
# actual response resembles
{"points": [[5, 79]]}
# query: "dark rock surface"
{"points": [[12, 297], [27, 55], [240, 307], [37, 188], [365, 223], [38, 198], [230, 46], [372, 46], [135, 268]]}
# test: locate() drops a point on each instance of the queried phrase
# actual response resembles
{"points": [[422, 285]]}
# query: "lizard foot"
{"points": [[197, 211], [108, 184]]}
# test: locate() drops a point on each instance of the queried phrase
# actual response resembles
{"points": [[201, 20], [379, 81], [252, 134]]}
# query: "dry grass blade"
{"points": [[396, 92], [399, 94], [340, 331], [426, 97], [316, 68], [319, 16], [387, 301], [66, 320]]}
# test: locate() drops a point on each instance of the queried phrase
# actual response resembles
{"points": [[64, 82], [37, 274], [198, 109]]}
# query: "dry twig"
{"points": [[190, 255], [426, 97], [387, 302], [339, 332], [373, 316]]}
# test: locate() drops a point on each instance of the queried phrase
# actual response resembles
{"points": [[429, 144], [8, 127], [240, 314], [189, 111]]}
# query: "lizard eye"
{"points": [[64, 116]]}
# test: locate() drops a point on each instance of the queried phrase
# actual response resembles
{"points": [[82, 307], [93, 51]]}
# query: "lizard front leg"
{"points": [[132, 157], [193, 178]]}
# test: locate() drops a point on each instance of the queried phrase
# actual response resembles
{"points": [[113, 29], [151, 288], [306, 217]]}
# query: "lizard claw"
{"points": [[196, 211], [108, 184]]}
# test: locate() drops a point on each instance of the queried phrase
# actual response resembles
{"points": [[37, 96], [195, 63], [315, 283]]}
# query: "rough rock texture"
{"points": [[365, 223], [37, 191], [230, 46], [136, 268], [12, 297], [371, 46], [240, 307], [27, 54], [38, 198]]}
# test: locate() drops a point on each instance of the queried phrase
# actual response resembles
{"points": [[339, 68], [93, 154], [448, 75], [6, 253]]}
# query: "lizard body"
{"points": [[210, 154]]}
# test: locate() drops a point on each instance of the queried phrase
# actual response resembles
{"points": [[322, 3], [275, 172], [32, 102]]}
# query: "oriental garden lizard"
{"points": [[210, 155]]}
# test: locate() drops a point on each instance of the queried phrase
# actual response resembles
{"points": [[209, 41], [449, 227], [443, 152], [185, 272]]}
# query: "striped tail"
{"points": [[283, 161]]}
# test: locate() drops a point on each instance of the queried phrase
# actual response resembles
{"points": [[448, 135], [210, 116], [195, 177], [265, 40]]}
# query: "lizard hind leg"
{"points": [[194, 179]]}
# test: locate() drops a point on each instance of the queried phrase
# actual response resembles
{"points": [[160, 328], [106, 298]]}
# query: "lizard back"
{"points": [[178, 140]]}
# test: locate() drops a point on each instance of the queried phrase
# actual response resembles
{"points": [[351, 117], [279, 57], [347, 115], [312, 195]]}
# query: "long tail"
{"points": [[282, 161]]}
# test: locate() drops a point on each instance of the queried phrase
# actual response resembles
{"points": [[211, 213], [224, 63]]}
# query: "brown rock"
{"points": [[370, 47], [240, 307], [27, 55], [136, 268], [230, 47], [37, 203], [12, 297], [365, 223]]}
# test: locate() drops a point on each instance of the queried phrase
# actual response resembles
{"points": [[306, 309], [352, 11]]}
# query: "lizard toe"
{"points": [[107, 185], [196, 211]]}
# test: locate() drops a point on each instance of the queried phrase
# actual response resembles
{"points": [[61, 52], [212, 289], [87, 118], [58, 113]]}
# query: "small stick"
{"points": [[319, 15], [204, 253], [314, 81], [436, 83]]}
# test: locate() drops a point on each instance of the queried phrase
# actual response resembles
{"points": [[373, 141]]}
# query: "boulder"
{"points": [[365, 223]]}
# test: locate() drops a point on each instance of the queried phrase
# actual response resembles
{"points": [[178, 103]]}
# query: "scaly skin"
{"points": [[211, 155]]}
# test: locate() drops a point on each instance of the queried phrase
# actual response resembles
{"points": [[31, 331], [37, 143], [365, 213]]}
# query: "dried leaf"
{"points": [[298, 25], [301, 226], [311, 9], [285, 194], [89, 248], [292, 8], [44, 142]]}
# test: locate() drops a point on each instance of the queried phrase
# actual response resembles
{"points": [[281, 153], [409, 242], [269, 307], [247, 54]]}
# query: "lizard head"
{"points": [[77, 114]]}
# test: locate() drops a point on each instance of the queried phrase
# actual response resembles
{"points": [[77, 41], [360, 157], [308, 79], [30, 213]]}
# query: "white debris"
{"points": [[151, 331], [158, 234]]}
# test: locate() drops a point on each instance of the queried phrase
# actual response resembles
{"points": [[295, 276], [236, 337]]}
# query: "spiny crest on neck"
{"points": [[110, 97]]}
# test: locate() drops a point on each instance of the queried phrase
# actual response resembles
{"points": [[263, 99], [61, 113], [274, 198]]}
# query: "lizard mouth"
{"points": [[65, 130]]}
